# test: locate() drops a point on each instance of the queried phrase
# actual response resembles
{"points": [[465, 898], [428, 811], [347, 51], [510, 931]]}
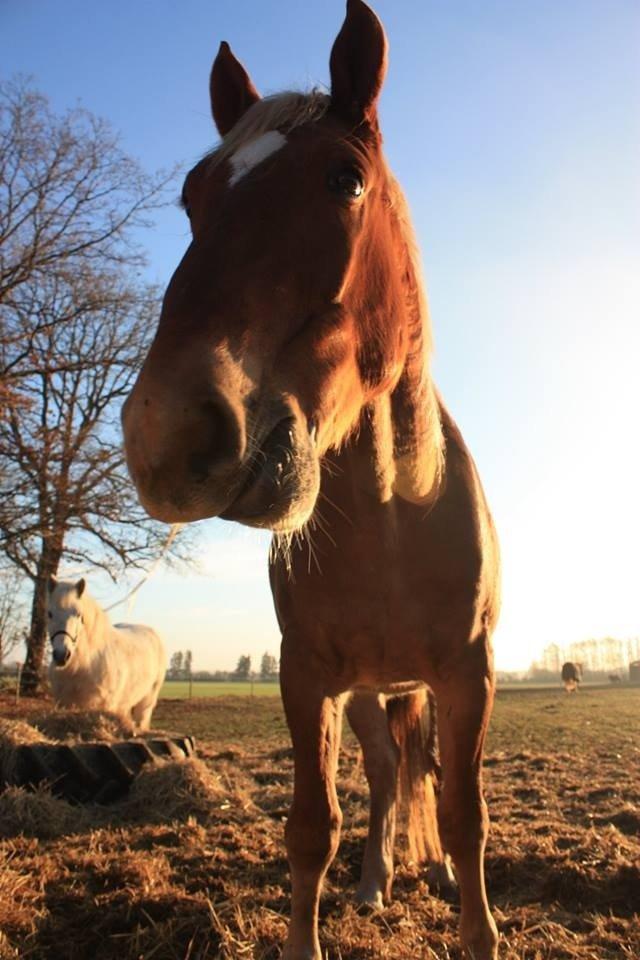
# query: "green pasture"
{"points": [[601, 722], [181, 689]]}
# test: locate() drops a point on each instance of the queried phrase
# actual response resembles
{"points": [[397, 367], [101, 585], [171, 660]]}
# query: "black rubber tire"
{"points": [[94, 772]]}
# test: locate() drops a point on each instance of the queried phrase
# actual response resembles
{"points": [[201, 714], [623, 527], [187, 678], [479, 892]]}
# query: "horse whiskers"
{"points": [[305, 533], [317, 520], [282, 546], [331, 467], [336, 507]]}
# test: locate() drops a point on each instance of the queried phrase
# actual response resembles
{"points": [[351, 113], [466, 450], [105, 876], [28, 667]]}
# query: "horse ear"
{"points": [[80, 585], [231, 89], [52, 584], [358, 65]]}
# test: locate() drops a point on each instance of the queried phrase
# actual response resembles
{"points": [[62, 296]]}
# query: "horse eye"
{"points": [[349, 183]]}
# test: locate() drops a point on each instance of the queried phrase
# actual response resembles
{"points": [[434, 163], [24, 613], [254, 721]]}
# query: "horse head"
{"points": [[294, 306], [65, 613]]}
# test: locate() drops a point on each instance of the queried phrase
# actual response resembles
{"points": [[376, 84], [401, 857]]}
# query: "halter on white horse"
{"points": [[62, 620]]}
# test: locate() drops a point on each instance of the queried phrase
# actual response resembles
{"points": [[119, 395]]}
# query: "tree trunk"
{"points": [[32, 679]]}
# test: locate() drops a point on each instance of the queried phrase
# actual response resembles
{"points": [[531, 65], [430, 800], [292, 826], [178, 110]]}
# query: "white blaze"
{"points": [[251, 154]]}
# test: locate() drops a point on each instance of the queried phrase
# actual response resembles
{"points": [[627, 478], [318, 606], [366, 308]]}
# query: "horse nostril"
{"points": [[219, 440], [199, 465]]}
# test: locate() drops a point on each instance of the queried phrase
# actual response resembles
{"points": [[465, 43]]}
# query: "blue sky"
{"points": [[514, 128]]}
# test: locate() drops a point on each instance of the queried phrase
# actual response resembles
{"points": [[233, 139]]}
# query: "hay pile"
{"points": [[169, 790], [74, 726], [173, 790], [37, 813]]}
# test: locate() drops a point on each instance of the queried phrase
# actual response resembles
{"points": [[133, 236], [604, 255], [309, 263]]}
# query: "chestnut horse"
{"points": [[288, 387]]}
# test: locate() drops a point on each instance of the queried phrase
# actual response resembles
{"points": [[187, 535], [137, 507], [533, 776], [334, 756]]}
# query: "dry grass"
{"points": [[74, 725], [192, 865]]}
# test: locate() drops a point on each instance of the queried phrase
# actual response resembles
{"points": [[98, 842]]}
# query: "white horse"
{"points": [[97, 666]]}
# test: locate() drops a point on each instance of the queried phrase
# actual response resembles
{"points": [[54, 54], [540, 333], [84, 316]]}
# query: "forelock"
{"points": [[64, 590], [282, 112]]}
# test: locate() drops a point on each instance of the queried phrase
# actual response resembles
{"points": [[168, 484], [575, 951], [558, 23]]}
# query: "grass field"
{"points": [[562, 777], [181, 689]]}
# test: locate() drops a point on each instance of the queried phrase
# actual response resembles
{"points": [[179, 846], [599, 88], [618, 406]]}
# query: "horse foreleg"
{"points": [[368, 719], [312, 832], [141, 712], [464, 703]]}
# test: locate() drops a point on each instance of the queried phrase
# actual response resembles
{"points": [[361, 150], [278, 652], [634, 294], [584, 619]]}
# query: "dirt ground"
{"points": [[199, 870]]}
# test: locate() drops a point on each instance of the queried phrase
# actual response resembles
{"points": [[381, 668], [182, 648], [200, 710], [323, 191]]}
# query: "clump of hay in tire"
{"points": [[84, 725], [52, 785]]}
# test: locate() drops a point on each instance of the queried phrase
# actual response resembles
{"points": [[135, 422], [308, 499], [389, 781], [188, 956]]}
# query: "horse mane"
{"points": [[282, 111], [95, 619], [425, 405]]}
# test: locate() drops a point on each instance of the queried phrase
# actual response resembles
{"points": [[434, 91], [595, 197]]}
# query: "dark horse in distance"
{"points": [[288, 387], [571, 675]]}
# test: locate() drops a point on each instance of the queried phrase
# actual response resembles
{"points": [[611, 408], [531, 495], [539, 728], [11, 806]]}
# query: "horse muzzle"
{"points": [[184, 458], [61, 656], [281, 480], [213, 462]]}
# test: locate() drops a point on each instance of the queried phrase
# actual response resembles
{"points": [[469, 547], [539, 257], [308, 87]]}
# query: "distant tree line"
{"points": [[269, 669], [180, 668], [600, 658]]}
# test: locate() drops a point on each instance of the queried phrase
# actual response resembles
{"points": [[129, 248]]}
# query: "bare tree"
{"points": [[63, 484], [69, 198], [68, 192], [12, 614], [74, 323]]}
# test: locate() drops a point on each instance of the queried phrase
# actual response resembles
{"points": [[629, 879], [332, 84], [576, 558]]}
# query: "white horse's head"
{"points": [[65, 619]]}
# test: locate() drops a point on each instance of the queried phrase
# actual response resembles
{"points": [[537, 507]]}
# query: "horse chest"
{"points": [[397, 591], [373, 613]]}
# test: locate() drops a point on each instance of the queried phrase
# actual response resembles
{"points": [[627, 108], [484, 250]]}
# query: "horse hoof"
{"points": [[369, 900], [440, 877], [481, 943]]}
